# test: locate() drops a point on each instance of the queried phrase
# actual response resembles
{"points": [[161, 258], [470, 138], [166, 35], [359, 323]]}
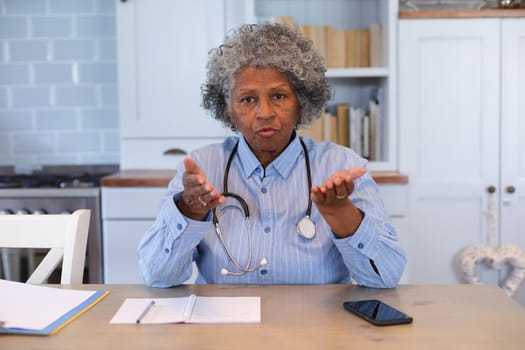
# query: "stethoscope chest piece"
{"points": [[306, 228]]}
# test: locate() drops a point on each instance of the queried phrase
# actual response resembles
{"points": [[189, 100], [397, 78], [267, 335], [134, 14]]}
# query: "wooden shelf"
{"points": [[369, 72], [483, 13]]}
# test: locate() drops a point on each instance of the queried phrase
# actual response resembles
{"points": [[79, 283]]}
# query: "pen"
{"points": [[146, 310], [190, 304]]}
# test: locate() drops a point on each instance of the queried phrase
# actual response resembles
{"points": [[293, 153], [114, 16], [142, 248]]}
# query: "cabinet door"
{"points": [[127, 213], [121, 241], [513, 132], [449, 137], [513, 140], [163, 47]]}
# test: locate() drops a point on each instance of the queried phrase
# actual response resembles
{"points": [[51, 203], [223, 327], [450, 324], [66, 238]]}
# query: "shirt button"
{"points": [[179, 227], [360, 245], [264, 190], [267, 229], [166, 250], [264, 272]]}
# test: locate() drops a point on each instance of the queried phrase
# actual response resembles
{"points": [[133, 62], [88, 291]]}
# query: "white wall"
{"points": [[58, 92]]}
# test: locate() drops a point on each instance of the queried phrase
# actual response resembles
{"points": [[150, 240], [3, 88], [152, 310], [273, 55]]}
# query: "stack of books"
{"points": [[359, 128], [343, 48]]}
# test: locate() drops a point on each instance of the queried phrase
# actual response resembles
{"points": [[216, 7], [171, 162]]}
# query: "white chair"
{"points": [[65, 235]]}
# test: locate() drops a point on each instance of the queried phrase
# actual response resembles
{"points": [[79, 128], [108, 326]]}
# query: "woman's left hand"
{"points": [[332, 201], [337, 188]]}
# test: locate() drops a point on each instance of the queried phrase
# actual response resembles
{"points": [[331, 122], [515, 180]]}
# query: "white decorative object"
{"points": [[494, 257]]}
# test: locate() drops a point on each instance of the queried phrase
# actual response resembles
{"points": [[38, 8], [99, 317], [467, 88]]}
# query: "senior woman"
{"points": [[267, 206]]}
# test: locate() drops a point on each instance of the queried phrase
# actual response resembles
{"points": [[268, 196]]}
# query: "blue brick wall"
{"points": [[58, 83]]}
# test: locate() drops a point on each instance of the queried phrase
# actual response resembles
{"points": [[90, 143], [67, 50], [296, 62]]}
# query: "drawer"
{"points": [[155, 153], [131, 202]]}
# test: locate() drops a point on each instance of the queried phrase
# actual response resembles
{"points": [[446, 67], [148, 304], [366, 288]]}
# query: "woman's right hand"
{"points": [[199, 194]]}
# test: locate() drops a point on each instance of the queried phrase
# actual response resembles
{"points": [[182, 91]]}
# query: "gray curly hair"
{"points": [[261, 46]]}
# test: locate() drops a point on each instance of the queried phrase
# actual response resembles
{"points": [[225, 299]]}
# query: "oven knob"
{"points": [[6, 211], [22, 211], [39, 212]]}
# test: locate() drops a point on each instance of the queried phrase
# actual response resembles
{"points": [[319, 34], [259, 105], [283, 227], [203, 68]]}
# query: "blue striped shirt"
{"points": [[277, 198]]}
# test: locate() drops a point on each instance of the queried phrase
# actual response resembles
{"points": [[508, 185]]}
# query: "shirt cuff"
{"points": [[364, 238], [181, 224]]}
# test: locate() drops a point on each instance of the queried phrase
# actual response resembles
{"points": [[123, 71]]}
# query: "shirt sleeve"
{"points": [[168, 248], [372, 254]]}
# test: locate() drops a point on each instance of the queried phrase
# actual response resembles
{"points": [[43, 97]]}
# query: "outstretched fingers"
{"points": [[337, 187], [199, 193]]}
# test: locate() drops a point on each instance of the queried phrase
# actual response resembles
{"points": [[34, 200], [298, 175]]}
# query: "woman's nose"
{"points": [[265, 109]]}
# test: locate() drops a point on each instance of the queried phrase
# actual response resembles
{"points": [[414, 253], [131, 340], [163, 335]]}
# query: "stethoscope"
{"points": [[305, 226]]}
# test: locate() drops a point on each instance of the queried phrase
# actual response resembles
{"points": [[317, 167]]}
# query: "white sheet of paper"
{"points": [[206, 310], [30, 306], [227, 310]]}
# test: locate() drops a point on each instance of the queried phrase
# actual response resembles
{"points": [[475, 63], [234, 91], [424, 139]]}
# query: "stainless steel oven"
{"points": [[54, 189]]}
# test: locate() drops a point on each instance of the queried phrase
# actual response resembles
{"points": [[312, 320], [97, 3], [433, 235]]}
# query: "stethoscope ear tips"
{"points": [[225, 272]]}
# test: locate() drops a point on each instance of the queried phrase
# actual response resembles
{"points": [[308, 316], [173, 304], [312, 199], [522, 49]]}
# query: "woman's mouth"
{"points": [[267, 132]]}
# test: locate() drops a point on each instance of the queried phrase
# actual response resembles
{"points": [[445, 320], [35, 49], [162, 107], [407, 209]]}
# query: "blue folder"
{"points": [[62, 321]]}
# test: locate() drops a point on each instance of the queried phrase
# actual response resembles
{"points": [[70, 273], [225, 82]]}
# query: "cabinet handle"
{"points": [[491, 189], [510, 189], [174, 152]]}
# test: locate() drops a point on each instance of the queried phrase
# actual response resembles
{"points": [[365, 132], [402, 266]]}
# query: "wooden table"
{"points": [[304, 317]]}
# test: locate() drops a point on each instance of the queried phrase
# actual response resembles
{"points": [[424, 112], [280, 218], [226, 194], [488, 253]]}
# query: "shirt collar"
{"points": [[283, 164]]}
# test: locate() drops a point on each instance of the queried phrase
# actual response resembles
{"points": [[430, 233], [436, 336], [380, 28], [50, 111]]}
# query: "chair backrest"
{"points": [[65, 235]]}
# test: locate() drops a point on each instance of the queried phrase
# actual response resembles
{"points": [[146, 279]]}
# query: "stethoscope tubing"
{"points": [[246, 212]]}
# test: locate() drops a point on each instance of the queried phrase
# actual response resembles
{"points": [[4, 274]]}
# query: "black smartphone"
{"points": [[377, 312]]}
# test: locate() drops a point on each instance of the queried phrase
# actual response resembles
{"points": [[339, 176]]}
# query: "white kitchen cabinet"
{"points": [[351, 85], [121, 241], [162, 53], [127, 212], [462, 121]]}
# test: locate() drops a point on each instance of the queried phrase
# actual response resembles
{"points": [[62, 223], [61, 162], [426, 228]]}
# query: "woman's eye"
{"points": [[278, 96], [247, 99]]}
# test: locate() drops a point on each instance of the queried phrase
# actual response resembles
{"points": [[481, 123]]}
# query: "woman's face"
{"points": [[265, 109]]}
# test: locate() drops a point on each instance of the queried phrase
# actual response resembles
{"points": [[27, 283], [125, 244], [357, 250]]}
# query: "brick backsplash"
{"points": [[58, 83]]}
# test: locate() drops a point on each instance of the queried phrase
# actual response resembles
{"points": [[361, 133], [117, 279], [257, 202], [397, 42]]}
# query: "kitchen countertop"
{"points": [[452, 13], [138, 178], [161, 178]]}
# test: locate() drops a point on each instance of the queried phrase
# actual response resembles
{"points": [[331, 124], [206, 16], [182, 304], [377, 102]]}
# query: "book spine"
{"points": [[364, 42], [335, 48], [343, 128], [350, 42], [376, 58]]}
